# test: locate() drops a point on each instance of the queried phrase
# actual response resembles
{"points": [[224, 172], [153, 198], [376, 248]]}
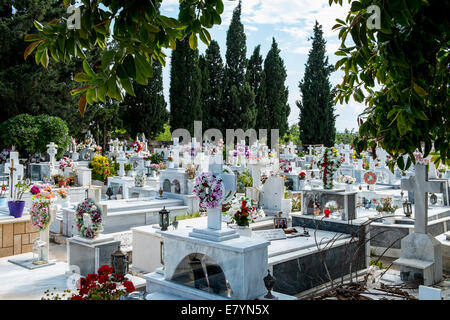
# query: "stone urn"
{"points": [[244, 231]]}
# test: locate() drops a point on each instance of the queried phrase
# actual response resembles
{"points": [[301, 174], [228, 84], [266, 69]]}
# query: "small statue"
{"points": [[160, 193]]}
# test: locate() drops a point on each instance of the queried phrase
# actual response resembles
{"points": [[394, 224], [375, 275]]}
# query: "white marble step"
{"points": [[134, 205], [144, 211]]}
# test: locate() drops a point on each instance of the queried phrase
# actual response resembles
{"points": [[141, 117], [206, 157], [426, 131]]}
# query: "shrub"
{"points": [[102, 168], [32, 134]]}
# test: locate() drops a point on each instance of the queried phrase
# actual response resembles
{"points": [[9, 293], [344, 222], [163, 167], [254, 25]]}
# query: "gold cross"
{"points": [[11, 178]]}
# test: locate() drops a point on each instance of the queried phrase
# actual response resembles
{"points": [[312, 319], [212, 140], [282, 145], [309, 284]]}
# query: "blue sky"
{"points": [[291, 23]]}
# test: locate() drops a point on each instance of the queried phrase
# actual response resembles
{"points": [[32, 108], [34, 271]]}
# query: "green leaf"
{"points": [[87, 68], [127, 85], [419, 90], [130, 68], [38, 25], [107, 57], [193, 41], [82, 77], [219, 6]]}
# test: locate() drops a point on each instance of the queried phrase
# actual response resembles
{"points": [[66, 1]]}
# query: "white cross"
{"points": [[310, 148], [421, 186]]}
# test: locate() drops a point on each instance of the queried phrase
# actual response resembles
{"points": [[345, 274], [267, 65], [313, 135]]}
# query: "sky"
{"points": [[291, 23]]}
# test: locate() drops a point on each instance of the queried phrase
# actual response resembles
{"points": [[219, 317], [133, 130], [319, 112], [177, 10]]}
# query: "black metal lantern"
{"points": [[119, 261], [164, 219], [407, 209], [109, 193]]}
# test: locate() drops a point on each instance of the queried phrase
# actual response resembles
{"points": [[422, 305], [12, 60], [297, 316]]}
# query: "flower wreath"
{"points": [[88, 206], [137, 147], [209, 190], [370, 178]]}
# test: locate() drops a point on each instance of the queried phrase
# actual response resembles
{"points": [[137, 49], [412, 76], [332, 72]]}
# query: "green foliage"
{"points": [[293, 134], [276, 92], [377, 263], [185, 87], [156, 158], [141, 32], [403, 69], [31, 134], [212, 86], [238, 105], [345, 137], [317, 119], [244, 180], [102, 168], [256, 78], [166, 135], [145, 111]]}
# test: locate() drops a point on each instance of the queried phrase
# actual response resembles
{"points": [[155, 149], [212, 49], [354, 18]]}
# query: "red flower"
{"points": [[103, 278], [76, 297], [112, 286], [105, 269], [129, 287], [92, 277]]}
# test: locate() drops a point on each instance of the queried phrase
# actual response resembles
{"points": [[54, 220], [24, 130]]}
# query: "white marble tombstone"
{"points": [[420, 250]]}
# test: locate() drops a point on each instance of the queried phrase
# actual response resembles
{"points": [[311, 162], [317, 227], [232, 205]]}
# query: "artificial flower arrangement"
{"points": [[386, 205], [4, 155], [65, 163], [243, 211], [3, 190], [98, 150], [137, 147], [35, 190], [93, 229], [357, 155], [139, 180], [62, 192], [154, 166], [102, 286], [40, 208], [302, 175], [328, 164], [209, 190], [170, 159], [365, 165], [102, 168], [348, 180]]}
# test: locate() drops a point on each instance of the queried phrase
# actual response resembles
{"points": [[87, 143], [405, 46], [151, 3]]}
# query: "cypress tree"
{"points": [[212, 86], [185, 87], [276, 93], [146, 112], [256, 79], [317, 119], [238, 100]]}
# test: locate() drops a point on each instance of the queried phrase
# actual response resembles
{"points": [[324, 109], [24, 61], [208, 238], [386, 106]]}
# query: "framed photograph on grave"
{"points": [[280, 223]]}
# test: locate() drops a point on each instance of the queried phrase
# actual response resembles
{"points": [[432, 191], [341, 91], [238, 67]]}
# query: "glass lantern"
{"points": [[119, 261], [164, 219], [407, 208]]}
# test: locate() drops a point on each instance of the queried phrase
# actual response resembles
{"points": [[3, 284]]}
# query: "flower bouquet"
{"points": [[243, 212], [40, 208], [328, 164], [65, 163], [302, 175], [209, 190], [102, 286]]}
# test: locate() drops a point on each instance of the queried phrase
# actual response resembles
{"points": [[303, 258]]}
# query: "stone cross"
{"points": [[122, 160], [421, 186], [52, 151]]}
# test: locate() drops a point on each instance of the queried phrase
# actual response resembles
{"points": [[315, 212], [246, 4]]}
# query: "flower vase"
{"points": [[215, 218], [190, 185], [244, 231], [349, 187], [67, 172], [171, 164], [301, 184], [16, 208]]}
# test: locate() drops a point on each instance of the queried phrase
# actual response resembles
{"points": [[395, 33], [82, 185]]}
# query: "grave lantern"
{"points": [[119, 261], [164, 219], [407, 209]]}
